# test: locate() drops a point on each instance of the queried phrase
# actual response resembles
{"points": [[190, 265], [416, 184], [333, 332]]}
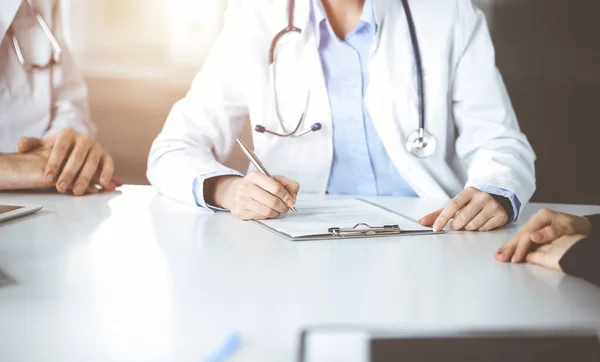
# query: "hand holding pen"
{"points": [[258, 196]]}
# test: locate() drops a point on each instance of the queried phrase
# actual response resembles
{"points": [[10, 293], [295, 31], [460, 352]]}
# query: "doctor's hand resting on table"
{"points": [[557, 241], [354, 97], [46, 139], [471, 210]]}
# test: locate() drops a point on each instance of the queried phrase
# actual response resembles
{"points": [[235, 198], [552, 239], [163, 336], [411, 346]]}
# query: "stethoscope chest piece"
{"points": [[420, 143]]}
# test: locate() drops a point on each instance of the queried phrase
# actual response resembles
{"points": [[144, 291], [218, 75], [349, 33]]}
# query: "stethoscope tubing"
{"points": [[57, 49], [291, 28], [419, 65]]}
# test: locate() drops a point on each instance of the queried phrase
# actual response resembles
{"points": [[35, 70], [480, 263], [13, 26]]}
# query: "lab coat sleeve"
{"points": [[69, 92], [496, 153], [201, 128]]}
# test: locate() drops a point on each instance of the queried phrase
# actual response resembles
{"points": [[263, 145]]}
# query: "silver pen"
{"points": [[256, 162]]}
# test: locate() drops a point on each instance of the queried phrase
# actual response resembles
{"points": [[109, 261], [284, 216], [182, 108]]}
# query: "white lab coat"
{"points": [[37, 103], [469, 111]]}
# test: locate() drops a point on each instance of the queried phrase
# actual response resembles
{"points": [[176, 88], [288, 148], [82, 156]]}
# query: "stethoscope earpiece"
{"points": [[316, 127]]}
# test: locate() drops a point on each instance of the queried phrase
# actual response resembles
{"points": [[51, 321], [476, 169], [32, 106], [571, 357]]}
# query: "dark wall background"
{"points": [[549, 54]]}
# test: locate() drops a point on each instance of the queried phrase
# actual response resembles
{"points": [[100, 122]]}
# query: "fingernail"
{"points": [[290, 203], [500, 251], [50, 177], [514, 260], [62, 185], [436, 227], [79, 189]]}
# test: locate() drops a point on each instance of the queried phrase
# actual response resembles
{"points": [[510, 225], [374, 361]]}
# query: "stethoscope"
{"points": [[56, 47], [420, 143]]}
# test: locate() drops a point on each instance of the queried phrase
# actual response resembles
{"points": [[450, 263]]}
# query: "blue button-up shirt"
{"points": [[361, 165]]}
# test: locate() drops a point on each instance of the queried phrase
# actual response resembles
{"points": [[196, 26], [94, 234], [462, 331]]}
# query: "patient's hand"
{"points": [[544, 227]]}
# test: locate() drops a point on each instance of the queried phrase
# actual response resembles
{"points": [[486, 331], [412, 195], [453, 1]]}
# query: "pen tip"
{"points": [[293, 210]]}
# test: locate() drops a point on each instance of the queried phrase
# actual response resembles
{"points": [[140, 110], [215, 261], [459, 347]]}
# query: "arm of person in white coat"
{"points": [[69, 92], [497, 154], [201, 129], [490, 142], [76, 162]]}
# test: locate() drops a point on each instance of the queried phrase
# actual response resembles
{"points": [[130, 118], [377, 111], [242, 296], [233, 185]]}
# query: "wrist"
{"points": [[506, 205], [217, 191], [586, 226], [16, 172], [8, 171]]}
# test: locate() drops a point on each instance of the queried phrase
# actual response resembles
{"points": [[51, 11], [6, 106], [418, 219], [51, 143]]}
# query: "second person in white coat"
{"points": [[46, 137], [352, 70]]}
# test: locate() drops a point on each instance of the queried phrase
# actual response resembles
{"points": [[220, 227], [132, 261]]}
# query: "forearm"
{"points": [[70, 106], [7, 170], [504, 168], [173, 171], [490, 142], [15, 173]]}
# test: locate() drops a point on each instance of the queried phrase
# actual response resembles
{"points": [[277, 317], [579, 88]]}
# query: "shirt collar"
{"points": [[318, 16]]}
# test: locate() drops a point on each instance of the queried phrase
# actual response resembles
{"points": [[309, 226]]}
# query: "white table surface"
{"points": [[132, 276]]}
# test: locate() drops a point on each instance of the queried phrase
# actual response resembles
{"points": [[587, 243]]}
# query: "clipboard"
{"points": [[355, 230], [353, 233]]}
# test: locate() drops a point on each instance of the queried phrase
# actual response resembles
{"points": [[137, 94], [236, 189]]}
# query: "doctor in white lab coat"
{"points": [[46, 138], [482, 160]]}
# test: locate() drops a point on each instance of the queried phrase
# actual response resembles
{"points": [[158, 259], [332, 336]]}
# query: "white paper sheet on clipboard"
{"points": [[316, 217]]}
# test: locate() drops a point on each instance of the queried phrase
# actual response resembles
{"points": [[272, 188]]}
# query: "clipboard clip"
{"points": [[363, 229]]}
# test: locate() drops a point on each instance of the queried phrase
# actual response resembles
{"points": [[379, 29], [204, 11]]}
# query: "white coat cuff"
{"points": [[521, 193]]}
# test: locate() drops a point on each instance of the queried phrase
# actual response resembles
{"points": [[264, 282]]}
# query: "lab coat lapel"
{"points": [[310, 64], [391, 99], [319, 109], [392, 111], [7, 14], [380, 10]]}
